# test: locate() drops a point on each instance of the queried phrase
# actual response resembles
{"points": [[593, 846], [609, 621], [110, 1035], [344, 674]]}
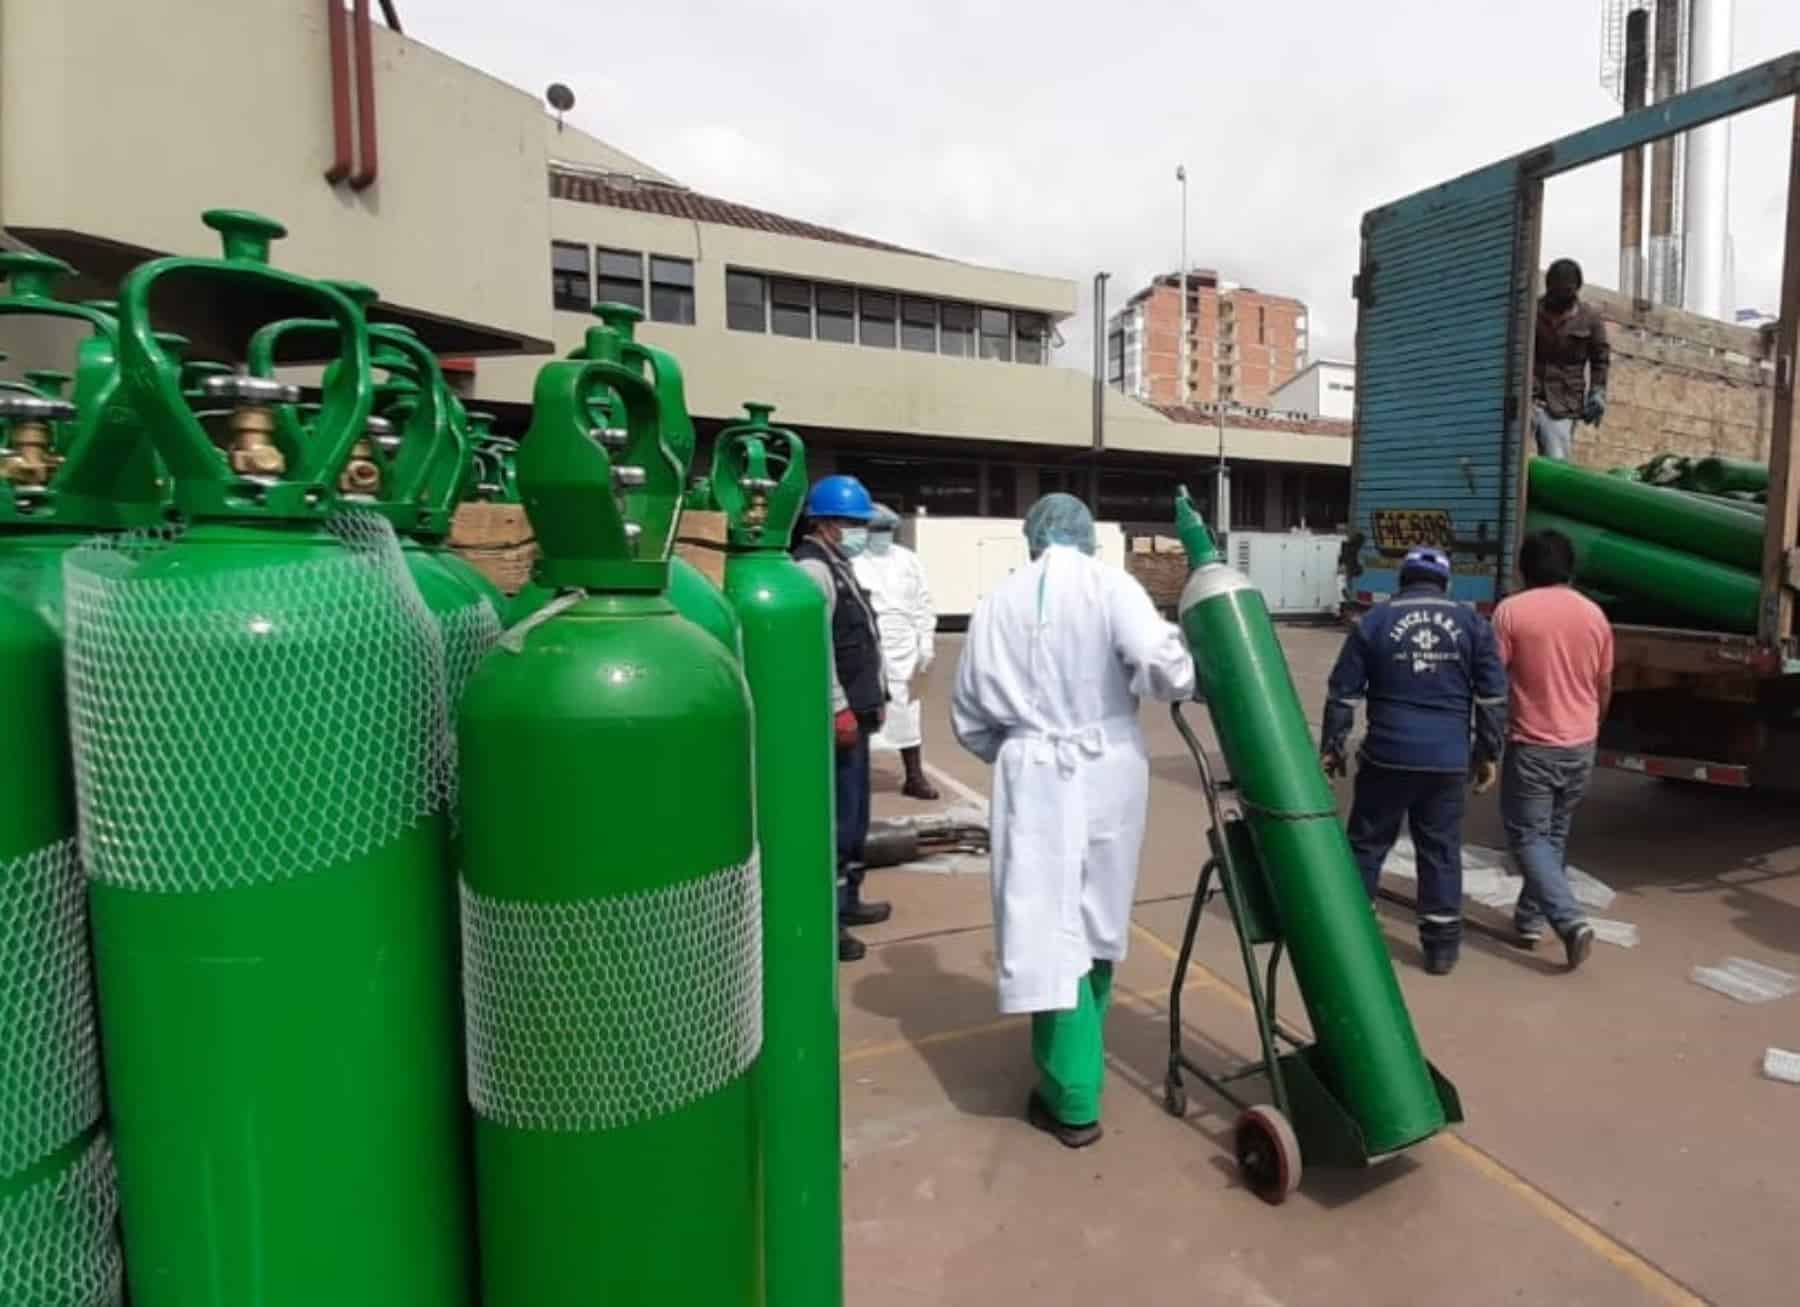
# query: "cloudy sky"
{"points": [[1044, 137]]}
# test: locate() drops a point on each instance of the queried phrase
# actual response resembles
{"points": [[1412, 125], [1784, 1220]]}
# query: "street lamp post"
{"points": [[1186, 390]]}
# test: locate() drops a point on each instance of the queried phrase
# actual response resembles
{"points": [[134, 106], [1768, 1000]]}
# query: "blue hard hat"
{"points": [[840, 496], [1428, 560]]}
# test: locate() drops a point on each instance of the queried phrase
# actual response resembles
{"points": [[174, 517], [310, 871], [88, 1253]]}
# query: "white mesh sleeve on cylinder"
{"points": [[59, 1241], [245, 726], [597, 1013], [49, 1049]]}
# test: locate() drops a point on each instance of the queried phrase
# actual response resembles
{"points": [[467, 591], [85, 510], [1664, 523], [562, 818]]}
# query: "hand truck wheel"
{"points": [[1268, 1154]]}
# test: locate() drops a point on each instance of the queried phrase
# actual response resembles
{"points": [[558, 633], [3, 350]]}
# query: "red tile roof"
{"points": [[678, 202], [1239, 421]]}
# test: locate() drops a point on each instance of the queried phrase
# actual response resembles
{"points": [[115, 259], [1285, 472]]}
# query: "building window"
{"points": [[744, 302], [1261, 317], [878, 319], [996, 335], [959, 330], [569, 284], [837, 313], [1034, 337], [620, 277], [790, 307], [671, 289], [918, 325]]}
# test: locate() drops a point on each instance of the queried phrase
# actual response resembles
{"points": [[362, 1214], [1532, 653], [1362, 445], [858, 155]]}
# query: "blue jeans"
{"points": [[1540, 787], [852, 818], [1432, 803], [1555, 436]]}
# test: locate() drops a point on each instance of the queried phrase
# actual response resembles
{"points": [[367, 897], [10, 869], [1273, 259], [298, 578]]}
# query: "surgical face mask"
{"points": [[1560, 298], [852, 540], [880, 541]]}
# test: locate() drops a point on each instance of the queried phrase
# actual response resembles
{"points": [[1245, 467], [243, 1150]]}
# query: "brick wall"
{"points": [[1680, 384]]}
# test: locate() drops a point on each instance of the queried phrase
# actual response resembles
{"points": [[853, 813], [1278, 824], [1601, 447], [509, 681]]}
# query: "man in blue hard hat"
{"points": [[834, 531], [1428, 668]]}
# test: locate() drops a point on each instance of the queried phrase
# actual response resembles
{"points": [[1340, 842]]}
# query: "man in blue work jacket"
{"points": [[1427, 666]]}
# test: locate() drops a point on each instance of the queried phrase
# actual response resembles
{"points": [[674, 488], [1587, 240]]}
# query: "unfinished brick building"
{"points": [[1242, 343]]}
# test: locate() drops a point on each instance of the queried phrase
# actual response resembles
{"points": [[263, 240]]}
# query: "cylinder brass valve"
{"points": [[362, 474], [252, 450], [30, 458]]}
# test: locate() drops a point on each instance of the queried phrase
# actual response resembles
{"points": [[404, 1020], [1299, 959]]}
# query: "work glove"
{"points": [[1595, 408], [844, 727], [1486, 773]]}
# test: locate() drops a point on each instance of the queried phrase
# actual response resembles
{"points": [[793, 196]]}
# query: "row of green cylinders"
{"points": [[298, 996]]}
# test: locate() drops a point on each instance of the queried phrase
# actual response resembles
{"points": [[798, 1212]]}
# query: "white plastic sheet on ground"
{"points": [[1746, 981], [1488, 880], [1780, 1064]]}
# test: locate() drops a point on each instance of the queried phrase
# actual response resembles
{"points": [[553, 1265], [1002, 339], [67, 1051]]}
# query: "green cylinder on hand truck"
{"points": [[759, 479], [258, 726], [1366, 1053], [612, 929]]}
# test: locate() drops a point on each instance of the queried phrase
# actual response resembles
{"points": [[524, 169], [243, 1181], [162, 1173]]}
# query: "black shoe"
{"points": [[850, 948], [1069, 1136], [864, 913], [917, 787], [1577, 944], [1441, 960]]}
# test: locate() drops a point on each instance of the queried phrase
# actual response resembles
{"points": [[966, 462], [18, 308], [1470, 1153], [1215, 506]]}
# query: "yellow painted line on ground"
{"points": [[868, 1052], [1647, 1274]]}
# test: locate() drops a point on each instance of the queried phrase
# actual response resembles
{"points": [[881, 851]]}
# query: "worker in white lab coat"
{"points": [[895, 580], [1047, 691]]}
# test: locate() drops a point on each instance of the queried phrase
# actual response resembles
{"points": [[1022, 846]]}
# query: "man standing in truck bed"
{"points": [[1571, 363]]}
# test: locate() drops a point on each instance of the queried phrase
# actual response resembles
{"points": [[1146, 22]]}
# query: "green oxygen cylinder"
{"points": [[70, 468], [694, 597], [612, 928], [408, 466], [1646, 512], [258, 721], [759, 479], [1687, 588], [1364, 1036], [1723, 476]]}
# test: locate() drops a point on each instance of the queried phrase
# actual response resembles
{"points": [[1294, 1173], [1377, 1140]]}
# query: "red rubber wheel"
{"points": [[1268, 1154]]}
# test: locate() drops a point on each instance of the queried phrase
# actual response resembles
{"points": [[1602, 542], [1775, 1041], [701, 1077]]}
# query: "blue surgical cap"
{"points": [[1059, 519]]}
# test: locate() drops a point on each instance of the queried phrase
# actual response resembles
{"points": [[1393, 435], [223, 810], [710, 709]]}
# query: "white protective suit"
{"points": [[1047, 691], [895, 581]]}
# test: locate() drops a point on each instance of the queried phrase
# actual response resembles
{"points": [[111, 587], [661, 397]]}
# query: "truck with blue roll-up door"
{"points": [[1446, 292]]}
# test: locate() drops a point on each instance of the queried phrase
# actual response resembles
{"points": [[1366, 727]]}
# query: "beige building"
{"points": [[492, 228]]}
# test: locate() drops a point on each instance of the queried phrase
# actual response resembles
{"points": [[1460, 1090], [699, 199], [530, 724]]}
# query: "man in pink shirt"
{"points": [[1558, 651]]}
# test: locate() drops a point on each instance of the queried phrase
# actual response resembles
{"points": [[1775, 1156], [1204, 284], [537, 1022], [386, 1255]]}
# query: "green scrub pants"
{"points": [[1070, 1050]]}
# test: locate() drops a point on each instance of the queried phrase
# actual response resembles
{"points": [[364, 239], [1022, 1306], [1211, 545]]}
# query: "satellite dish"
{"points": [[561, 99]]}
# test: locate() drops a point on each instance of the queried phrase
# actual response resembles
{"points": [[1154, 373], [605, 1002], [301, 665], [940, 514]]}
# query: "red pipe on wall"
{"points": [[339, 38], [365, 98]]}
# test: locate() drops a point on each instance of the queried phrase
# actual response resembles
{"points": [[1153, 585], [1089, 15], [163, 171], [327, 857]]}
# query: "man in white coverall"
{"points": [[1047, 691], [895, 580]]}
